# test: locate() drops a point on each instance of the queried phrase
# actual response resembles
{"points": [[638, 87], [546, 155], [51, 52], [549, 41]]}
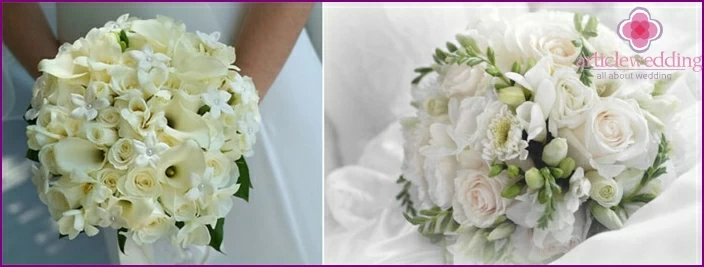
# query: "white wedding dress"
{"points": [[367, 88], [282, 221]]}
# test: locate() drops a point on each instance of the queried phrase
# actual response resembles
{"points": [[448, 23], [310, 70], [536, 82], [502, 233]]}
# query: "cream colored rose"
{"points": [[463, 80], [221, 165], [542, 34], [478, 199], [140, 182], [99, 134], [121, 154], [110, 177], [109, 116]]}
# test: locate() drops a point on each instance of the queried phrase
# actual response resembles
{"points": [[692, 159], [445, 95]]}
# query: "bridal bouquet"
{"points": [[143, 127], [517, 152]]}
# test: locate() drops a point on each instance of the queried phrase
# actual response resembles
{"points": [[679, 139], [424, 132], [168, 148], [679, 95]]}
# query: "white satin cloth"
{"points": [[281, 223], [367, 89]]}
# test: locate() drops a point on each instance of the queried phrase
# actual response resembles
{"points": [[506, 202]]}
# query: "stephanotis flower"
{"points": [[217, 101], [147, 59], [87, 105], [212, 40], [202, 187], [122, 23], [149, 150]]}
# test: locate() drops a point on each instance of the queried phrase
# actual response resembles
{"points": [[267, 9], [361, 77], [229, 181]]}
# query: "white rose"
{"points": [[121, 154], [110, 177], [158, 226], [572, 100], [615, 134], [140, 182], [37, 137], [110, 116], [99, 134], [478, 199], [605, 191], [463, 80], [540, 34], [439, 174], [221, 166]]}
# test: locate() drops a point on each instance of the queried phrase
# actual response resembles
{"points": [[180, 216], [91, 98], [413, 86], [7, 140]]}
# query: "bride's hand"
{"points": [[267, 37], [28, 35]]}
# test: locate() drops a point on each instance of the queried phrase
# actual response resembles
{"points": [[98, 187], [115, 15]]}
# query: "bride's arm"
{"points": [[27, 34], [268, 35]]}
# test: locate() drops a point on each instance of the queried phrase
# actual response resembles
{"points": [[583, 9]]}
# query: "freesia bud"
{"points": [[512, 96], [567, 165], [606, 216], [511, 191], [496, 169], [502, 231], [513, 171], [534, 179], [555, 151]]}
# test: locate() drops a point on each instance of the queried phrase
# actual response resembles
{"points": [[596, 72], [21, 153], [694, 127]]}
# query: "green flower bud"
{"points": [[511, 191], [479, 239], [555, 151], [567, 165], [467, 41], [496, 169], [543, 196], [502, 231], [556, 172], [513, 171], [493, 71], [606, 216], [512, 96], [500, 220], [516, 67], [534, 179]]}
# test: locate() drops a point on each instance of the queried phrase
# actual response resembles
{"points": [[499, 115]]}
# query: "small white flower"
{"points": [[87, 105], [194, 232], [244, 87], [149, 150], [40, 179], [504, 137], [73, 222], [202, 187], [217, 101], [147, 59], [212, 40], [121, 23]]}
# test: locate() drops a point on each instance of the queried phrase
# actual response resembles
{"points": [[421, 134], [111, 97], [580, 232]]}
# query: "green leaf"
{"points": [[592, 24], [423, 70], [578, 21], [430, 212], [180, 224], [216, 234], [244, 181], [440, 54], [204, 109], [121, 239], [123, 38], [417, 79], [438, 60], [32, 155]]}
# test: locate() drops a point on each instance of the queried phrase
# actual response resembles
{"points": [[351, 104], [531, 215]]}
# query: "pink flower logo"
{"points": [[639, 29]]}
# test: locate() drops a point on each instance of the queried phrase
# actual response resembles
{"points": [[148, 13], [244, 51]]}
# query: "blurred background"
{"points": [[29, 235]]}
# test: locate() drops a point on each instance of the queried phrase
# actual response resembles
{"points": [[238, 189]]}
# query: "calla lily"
{"points": [[178, 163], [78, 155], [184, 124], [63, 66]]}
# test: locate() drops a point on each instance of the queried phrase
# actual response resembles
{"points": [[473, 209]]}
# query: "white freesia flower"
{"points": [[503, 139], [194, 232], [605, 191], [202, 188], [579, 188], [149, 150], [463, 80], [614, 135], [532, 120], [73, 222], [477, 200], [526, 250], [122, 23], [87, 105], [439, 175], [212, 40], [217, 100]]}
